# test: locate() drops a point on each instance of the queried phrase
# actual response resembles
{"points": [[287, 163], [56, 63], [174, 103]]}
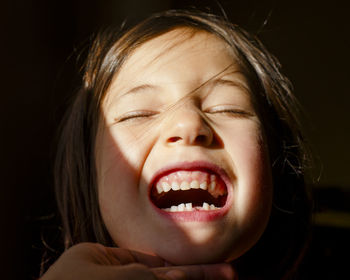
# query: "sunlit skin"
{"points": [[180, 98]]}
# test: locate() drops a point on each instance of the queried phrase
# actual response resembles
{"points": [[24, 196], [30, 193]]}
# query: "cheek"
{"points": [[117, 177], [253, 187], [114, 161], [254, 192], [121, 154], [248, 151], [123, 145], [120, 159], [254, 171]]}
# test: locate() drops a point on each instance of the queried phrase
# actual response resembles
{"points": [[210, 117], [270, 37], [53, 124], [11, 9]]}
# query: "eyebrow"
{"points": [[229, 82], [139, 89], [214, 82], [225, 82]]}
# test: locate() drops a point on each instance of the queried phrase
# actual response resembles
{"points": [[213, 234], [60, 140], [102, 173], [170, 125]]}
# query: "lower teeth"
{"points": [[188, 207]]}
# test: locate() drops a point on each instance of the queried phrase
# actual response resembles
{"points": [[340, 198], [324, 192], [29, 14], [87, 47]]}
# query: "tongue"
{"points": [[195, 196]]}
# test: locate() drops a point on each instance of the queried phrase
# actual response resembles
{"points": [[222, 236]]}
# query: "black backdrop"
{"points": [[38, 74]]}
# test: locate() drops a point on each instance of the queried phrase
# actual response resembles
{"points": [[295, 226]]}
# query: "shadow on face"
{"points": [[183, 171]]}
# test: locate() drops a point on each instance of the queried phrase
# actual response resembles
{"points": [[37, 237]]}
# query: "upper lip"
{"points": [[193, 165]]}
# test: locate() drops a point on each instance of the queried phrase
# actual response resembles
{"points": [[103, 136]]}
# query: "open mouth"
{"points": [[188, 191]]}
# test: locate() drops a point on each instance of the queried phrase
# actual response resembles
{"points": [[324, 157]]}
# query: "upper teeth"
{"points": [[175, 186], [209, 183]]}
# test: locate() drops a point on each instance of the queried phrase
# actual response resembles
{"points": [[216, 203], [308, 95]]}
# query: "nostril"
{"points": [[201, 139], [174, 139]]}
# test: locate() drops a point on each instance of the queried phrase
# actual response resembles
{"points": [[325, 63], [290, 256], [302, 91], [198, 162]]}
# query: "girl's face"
{"points": [[183, 171]]}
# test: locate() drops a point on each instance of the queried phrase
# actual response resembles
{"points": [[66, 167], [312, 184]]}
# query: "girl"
{"points": [[181, 158]]}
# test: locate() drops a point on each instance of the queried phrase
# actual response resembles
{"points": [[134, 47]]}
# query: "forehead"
{"points": [[179, 52], [176, 44]]}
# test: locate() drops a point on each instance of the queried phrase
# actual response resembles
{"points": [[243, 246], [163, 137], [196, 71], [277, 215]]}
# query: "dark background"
{"points": [[40, 41]]}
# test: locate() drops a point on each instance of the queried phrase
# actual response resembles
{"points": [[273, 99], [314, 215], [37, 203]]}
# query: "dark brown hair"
{"points": [[279, 250]]}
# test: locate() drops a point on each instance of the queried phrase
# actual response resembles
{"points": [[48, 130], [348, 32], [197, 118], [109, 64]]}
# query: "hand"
{"points": [[92, 261]]}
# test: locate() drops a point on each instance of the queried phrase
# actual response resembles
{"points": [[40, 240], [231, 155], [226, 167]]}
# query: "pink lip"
{"points": [[197, 215]]}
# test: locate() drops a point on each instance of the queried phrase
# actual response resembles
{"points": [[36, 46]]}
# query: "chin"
{"points": [[192, 256], [188, 254]]}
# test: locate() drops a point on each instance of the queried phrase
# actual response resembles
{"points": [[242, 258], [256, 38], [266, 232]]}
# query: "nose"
{"points": [[185, 125]]}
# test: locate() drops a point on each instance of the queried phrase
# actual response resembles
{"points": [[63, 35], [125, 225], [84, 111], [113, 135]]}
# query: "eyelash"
{"points": [[135, 115], [143, 114], [236, 112]]}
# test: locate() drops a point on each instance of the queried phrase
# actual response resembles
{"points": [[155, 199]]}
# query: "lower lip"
{"points": [[196, 215]]}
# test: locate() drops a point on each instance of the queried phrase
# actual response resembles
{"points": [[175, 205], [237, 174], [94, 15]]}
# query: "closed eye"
{"points": [[224, 110], [134, 115]]}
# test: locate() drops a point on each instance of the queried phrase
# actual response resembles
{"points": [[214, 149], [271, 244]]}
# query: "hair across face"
{"points": [[179, 112], [198, 95]]}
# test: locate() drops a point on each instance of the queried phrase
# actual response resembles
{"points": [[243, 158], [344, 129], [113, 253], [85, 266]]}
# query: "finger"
{"points": [[197, 272], [134, 271], [124, 256]]}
